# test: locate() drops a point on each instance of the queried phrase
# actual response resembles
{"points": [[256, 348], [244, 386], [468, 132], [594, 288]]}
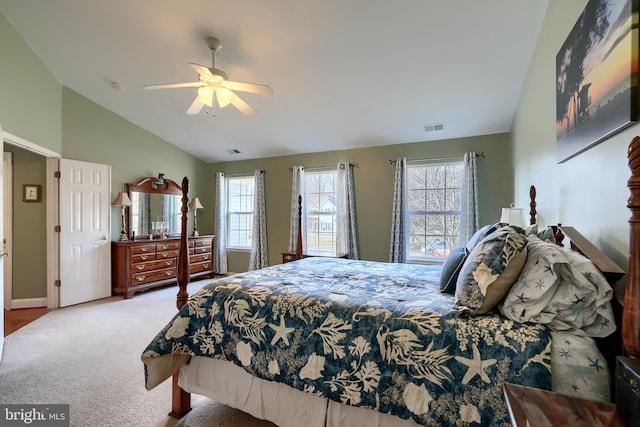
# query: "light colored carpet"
{"points": [[88, 356]]}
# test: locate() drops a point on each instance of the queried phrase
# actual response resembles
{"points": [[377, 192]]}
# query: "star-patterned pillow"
{"points": [[562, 289], [490, 270], [536, 284]]}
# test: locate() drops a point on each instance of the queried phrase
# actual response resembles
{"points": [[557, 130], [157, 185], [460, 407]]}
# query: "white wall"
{"points": [[588, 191]]}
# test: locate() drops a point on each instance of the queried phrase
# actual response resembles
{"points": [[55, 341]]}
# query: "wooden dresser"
{"points": [[144, 264]]}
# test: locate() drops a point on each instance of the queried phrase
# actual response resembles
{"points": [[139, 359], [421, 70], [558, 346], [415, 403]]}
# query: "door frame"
{"points": [[52, 208], [7, 218]]}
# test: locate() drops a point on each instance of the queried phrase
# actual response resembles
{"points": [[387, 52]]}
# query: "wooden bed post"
{"points": [[631, 309], [180, 399], [532, 205], [299, 240]]}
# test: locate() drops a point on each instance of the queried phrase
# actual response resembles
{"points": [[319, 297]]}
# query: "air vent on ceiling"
{"points": [[233, 151], [434, 127]]}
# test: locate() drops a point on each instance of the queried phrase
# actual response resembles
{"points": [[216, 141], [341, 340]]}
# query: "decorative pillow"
{"points": [[537, 283], [451, 270], [562, 289], [481, 234], [547, 234], [490, 270]]}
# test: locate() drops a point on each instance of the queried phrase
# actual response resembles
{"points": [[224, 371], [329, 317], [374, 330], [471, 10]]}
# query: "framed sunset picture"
{"points": [[596, 76]]}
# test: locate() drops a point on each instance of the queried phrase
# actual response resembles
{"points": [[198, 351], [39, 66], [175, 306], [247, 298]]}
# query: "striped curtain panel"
{"points": [[297, 189], [469, 221], [259, 258], [347, 231], [397, 251], [220, 218]]}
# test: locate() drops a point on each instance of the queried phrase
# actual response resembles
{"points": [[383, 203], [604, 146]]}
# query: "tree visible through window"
{"points": [[240, 212], [320, 204], [433, 211]]}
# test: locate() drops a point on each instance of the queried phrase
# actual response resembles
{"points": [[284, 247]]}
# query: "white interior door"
{"points": [[85, 221]]}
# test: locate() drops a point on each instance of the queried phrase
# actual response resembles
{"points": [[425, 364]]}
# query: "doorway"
{"points": [[49, 213]]}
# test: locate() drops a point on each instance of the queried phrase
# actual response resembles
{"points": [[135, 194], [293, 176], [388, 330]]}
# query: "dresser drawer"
{"points": [[151, 276], [200, 266], [153, 265], [199, 258], [201, 242], [143, 249], [167, 254], [168, 246], [199, 250], [143, 257]]}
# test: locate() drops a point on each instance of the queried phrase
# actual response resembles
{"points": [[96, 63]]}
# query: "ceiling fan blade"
{"points": [[196, 106], [174, 85], [201, 70], [248, 87], [241, 105]]}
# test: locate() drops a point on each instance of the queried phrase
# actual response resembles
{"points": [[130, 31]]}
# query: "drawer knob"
{"points": [[140, 267], [169, 273], [143, 257], [164, 247], [140, 278], [206, 265], [143, 249], [169, 262]]}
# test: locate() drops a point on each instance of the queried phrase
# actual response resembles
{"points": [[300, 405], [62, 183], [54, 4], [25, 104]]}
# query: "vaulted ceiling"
{"points": [[345, 73]]}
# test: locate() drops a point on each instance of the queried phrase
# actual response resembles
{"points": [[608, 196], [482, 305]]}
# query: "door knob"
{"points": [[103, 237], [4, 254]]}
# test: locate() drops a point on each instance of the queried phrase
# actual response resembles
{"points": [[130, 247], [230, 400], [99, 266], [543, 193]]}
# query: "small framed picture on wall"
{"points": [[31, 193]]}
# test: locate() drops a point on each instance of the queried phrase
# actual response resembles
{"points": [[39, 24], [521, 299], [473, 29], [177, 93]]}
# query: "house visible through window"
{"points": [[320, 204], [239, 212], [433, 210]]}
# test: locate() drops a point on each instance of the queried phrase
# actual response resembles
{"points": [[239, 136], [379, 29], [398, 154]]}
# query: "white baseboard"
{"points": [[28, 303]]}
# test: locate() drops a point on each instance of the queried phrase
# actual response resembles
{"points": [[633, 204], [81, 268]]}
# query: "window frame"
{"points": [[445, 236], [248, 213], [321, 213]]}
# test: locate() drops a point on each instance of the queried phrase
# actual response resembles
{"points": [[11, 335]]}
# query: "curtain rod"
{"points": [[354, 164], [247, 174], [391, 162]]}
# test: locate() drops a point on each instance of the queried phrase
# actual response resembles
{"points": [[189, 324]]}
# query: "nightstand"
{"points": [[628, 389], [540, 408]]}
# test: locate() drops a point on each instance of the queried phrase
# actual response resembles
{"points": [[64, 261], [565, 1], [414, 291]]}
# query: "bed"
{"points": [[334, 342]]}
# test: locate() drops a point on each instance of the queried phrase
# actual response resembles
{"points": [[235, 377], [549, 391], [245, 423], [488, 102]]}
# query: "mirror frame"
{"points": [[148, 185]]}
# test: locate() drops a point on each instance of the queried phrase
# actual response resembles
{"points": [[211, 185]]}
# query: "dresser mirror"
{"points": [[155, 208]]}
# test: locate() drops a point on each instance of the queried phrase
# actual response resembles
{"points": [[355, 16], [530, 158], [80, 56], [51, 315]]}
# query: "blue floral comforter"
{"points": [[361, 333]]}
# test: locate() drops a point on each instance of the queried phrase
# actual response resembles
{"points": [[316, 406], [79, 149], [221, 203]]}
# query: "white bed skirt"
{"points": [[284, 406]]}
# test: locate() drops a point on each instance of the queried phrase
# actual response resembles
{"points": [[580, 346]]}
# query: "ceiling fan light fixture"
{"points": [[205, 94], [223, 97]]}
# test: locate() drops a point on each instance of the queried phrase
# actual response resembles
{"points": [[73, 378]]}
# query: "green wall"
{"points": [[374, 188]]}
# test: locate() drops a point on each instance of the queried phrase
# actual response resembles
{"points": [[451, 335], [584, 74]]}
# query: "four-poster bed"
{"points": [[248, 346]]}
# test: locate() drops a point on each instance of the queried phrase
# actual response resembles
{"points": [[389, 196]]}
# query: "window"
{"points": [[433, 212], [239, 212], [320, 204]]}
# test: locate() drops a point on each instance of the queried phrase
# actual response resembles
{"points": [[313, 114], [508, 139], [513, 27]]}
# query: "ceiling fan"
{"points": [[214, 81]]}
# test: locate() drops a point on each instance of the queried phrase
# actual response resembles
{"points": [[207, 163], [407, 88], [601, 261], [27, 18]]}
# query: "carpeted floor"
{"points": [[88, 356]]}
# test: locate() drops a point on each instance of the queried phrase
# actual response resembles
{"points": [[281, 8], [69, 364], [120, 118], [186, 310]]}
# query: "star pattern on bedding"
{"points": [[281, 332], [476, 366]]}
